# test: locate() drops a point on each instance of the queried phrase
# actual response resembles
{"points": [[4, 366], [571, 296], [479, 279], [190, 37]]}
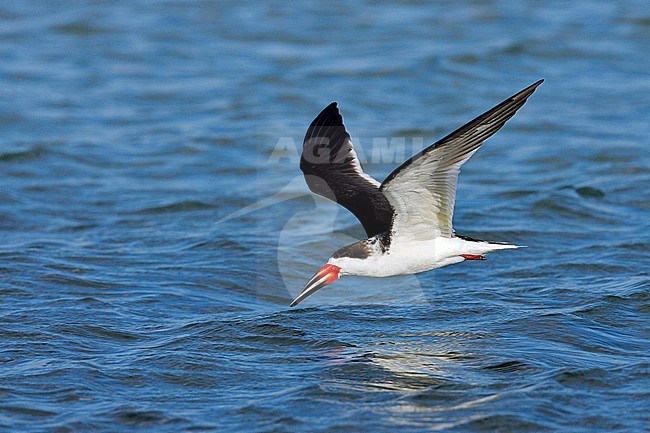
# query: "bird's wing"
{"points": [[332, 170], [422, 190]]}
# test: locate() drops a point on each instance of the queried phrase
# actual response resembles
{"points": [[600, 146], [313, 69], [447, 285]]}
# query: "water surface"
{"points": [[155, 226]]}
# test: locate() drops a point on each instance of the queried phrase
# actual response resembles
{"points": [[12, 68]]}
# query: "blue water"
{"points": [[154, 225]]}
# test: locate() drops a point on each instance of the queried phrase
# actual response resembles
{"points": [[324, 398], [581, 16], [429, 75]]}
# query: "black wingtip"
{"points": [[524, 94], [533, 86], [528, 90], [329, 116], [333, 106]]}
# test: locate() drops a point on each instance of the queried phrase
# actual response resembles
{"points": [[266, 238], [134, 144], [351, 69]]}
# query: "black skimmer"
{"points": [[408, 217]]}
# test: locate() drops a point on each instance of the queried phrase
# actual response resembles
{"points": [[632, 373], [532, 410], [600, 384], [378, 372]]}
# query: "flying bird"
{"points": [[407, 217]]}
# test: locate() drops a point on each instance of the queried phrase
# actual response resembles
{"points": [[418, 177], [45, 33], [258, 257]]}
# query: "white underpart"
{"points": [[413, 257]]}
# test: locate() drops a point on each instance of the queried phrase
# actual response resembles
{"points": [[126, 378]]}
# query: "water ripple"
{"points": [[154, 222]]}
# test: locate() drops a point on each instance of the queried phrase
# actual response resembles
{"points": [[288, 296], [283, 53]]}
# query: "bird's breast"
{"points": [[405, 258]]}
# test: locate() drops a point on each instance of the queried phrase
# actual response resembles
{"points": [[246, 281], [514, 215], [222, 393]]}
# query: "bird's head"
{"points": [[348, 260]]}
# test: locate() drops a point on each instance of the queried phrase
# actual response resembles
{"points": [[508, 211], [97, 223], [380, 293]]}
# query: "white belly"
{"points": [[410, 258], [414, 257]]}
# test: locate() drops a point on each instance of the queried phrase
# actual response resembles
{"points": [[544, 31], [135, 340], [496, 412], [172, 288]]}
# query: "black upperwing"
{"points": [[332, 170]]}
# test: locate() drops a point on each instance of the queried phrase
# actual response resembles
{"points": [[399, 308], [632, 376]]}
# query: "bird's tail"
{"points": [[496, 246]]}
